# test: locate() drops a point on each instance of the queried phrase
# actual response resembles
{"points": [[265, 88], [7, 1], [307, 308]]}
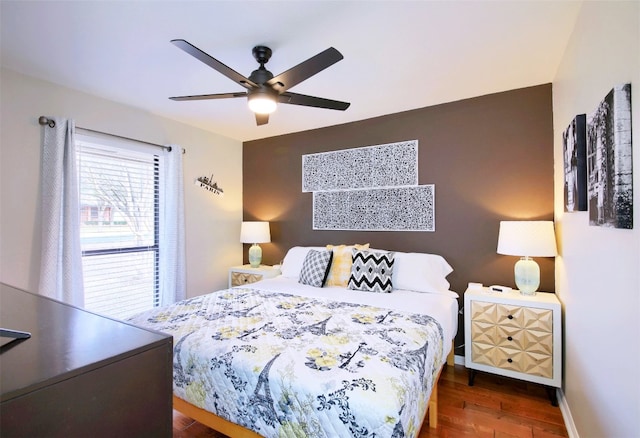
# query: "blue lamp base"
{"points": [[255, 255], [527, 274]]}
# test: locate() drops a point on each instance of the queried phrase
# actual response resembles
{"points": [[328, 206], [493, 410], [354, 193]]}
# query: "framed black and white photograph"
{"points": [[609, 161], [575, 164]]}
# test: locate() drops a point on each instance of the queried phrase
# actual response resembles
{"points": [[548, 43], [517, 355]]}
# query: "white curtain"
{"points": [[172, 241], [61, 262]]}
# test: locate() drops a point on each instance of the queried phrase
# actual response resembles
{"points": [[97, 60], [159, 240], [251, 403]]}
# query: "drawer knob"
{"points": [[510, 316], [510, 360], [510, 338]]}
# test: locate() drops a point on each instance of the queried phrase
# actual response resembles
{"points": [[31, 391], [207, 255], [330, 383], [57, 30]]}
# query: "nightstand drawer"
{"points": [[512, 316], [515, 360], [240, 278], [492, 334]]}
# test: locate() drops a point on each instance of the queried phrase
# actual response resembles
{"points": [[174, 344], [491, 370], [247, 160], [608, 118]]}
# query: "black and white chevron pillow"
{"points": [[315, 268], [371, 271]]}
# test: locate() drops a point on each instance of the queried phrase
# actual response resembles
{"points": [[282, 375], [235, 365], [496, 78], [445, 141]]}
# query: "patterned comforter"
{"points": [[293, 366]]}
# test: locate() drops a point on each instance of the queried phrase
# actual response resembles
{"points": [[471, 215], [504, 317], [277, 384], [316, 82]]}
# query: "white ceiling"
{"points": [[398, 55]]}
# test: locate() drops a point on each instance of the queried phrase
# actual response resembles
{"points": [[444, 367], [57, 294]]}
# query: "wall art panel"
{"points": [[386, 165], [387, 209], [575, 165], [609, 161]]}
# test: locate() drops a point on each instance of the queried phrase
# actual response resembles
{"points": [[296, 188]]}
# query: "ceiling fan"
{"points": [[264, 90]]}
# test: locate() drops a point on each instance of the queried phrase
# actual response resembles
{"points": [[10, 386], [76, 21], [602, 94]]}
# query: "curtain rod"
{"points": [[43, 120]]}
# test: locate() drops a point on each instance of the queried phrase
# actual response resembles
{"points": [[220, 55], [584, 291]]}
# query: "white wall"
{"points": [[597, 275], [212, 222]]}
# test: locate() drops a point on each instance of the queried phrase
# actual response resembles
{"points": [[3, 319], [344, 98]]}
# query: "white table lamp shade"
{"points": [[527, 239], [255, 232]]}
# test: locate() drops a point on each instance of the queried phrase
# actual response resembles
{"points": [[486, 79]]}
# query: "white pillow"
{"points": [[293, 260], [421, 272]]}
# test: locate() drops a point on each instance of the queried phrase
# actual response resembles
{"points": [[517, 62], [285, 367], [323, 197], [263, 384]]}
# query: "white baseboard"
{"points": [[566, 414], [458, 360]]}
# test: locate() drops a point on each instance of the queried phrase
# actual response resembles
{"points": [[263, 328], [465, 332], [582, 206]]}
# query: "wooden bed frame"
{"points": [[233, 430]]}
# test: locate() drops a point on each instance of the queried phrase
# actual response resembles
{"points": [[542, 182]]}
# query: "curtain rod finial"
{"points": [[43, 120]]}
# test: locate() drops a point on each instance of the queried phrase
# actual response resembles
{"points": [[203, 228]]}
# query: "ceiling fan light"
{"points": [[262, 104]]}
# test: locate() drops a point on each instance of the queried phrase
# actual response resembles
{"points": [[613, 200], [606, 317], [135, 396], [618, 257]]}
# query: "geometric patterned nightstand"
{"points": [[514, 335], [245, 274]]}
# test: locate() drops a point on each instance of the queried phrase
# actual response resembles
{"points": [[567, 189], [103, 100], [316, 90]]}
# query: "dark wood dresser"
{"points": [[81, 374]]}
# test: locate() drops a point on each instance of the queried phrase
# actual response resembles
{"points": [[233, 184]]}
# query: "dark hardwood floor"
{"points": [[494, 407]]}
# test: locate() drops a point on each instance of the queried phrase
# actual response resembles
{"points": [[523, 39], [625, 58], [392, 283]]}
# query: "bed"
{"points": [[281, 358]]}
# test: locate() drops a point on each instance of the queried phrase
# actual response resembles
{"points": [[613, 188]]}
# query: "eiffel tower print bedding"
{"points": [[296, 366]]}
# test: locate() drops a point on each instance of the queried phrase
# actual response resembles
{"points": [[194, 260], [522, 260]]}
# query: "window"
{"points": [[119, 224]]}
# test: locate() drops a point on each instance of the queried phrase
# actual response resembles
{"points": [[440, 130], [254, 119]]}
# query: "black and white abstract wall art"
{"points": [[370, 188], [609, 161], [386, 165], [389, 209], [575, 164]]}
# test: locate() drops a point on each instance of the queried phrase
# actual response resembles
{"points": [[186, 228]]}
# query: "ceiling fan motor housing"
{"points": [[261, 75]]}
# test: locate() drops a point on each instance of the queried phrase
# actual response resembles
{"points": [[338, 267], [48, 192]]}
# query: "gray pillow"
{"points": [[315, 268]]}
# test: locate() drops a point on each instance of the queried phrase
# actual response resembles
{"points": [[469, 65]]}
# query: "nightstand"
{"points": [[245, 274], [514, 335]]}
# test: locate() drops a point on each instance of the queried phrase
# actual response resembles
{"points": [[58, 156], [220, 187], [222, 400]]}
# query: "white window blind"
{"points": [[119, 214]]}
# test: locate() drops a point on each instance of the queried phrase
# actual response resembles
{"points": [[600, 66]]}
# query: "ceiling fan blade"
{"points": [[318, 102], [305, 70], [214, 64], [262, 119], [209, 96]]}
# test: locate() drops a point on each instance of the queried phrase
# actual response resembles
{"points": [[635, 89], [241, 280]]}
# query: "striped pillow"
{"points": [[371, 271]]}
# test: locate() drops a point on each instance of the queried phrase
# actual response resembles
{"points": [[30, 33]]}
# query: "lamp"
{"points": [[527, 239], [255, 232], [262, 101]]}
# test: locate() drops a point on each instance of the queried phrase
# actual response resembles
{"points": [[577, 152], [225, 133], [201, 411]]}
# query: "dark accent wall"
{"points": [[490, 158]]}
